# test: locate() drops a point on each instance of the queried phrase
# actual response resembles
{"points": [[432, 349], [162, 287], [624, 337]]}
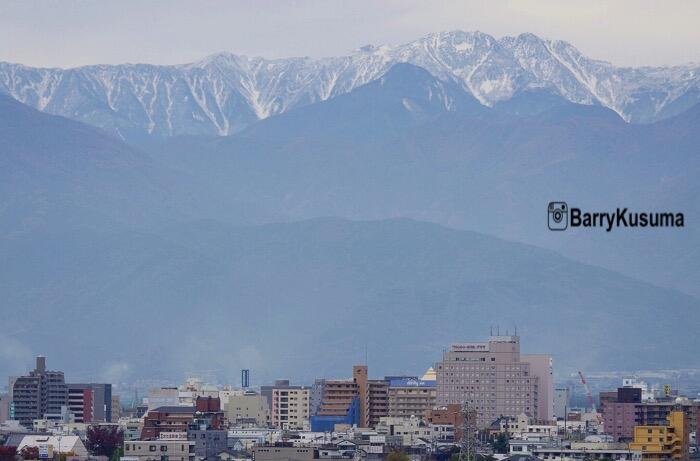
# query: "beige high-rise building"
{"points": [[248, 408], [493, 378], [116, 409], [290, 408]]}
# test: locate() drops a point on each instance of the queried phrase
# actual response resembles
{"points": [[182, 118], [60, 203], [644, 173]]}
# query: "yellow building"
{"points": [[658, 443]]}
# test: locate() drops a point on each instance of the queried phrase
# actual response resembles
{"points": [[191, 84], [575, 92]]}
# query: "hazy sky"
{"points": [[72, 33]]}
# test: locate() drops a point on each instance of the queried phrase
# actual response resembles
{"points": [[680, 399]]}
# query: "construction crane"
{"points": [[591, 401]]}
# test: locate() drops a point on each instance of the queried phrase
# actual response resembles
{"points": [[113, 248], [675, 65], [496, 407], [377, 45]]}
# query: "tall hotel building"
{"points": [[496, 380]]}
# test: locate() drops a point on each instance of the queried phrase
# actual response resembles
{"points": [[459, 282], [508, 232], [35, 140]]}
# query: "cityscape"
{"points": [[362, 230], [483, 400]]}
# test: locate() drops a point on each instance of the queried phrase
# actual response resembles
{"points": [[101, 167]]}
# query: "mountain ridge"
{"points": [[224, 92]]}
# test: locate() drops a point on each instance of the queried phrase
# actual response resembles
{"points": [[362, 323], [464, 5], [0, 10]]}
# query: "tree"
{"points": [[397, 456], [500, 445], [29, 452], [8, 453], [104, 440]]}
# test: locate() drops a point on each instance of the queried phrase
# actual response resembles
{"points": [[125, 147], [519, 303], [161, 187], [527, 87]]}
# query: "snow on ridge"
{"points": [[225, 92]]}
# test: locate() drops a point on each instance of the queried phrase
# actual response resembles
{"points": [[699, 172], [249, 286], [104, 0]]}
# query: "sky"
{"points": [[69, 33]]}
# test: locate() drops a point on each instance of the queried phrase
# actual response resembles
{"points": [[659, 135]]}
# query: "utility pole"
{"points": [[467, 445]]}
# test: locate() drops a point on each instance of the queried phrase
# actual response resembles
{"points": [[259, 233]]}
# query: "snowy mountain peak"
{"points": [[225, 92]]}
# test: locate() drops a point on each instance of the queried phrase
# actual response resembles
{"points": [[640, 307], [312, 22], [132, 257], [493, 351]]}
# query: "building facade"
{"points": [[410, 397], [90, 402], [493, 378], [175, 449], [663, 442], [561, 402], [290, 408], [41, 394], [250, 408], [337, 397], [166, 420]]}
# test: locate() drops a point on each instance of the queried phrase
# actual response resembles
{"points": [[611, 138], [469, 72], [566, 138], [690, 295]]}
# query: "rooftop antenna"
{"points": [[491, 330]]}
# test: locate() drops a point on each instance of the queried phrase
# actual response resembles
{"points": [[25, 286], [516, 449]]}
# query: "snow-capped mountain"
{"points": [[224, 93]]}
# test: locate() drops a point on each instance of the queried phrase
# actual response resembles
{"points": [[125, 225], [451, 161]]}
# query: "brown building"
{"points": [[373, 395], [166, 419], [451, 415]]}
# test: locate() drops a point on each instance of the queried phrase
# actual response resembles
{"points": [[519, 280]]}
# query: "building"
{"points": [[66, 444], [338, 396], [90, 402], [248, 408], [174, 449], [495, 380], [208, 442], [410, 397], [266, 391], [410, 429], [541, 368], [562, 397], [116, 409], [290, 408], [448, 419], [587, 451], [328, 422], [284, 452], [42, 394], [661, 442], [162, 420], [625, 408], [4, 408], [619, 412]]}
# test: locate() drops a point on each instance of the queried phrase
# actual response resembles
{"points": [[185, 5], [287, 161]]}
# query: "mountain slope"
{"points": [[224, 93], [56, 172], [264, 297], [489, 170]]}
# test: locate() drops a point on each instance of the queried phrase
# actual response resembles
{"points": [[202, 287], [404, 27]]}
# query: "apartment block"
{"points": [[663, 442], [337, 398], [41, 394], [411, 397], [290, 408]]}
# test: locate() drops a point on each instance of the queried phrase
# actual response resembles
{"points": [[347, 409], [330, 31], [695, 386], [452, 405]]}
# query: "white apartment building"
{"points": [[290, 408]]}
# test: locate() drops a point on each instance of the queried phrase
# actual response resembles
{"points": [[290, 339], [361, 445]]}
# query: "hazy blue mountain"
{"points": [[224, 93], [56, 172], [103, 244], [303, 299], [368, 155]]}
